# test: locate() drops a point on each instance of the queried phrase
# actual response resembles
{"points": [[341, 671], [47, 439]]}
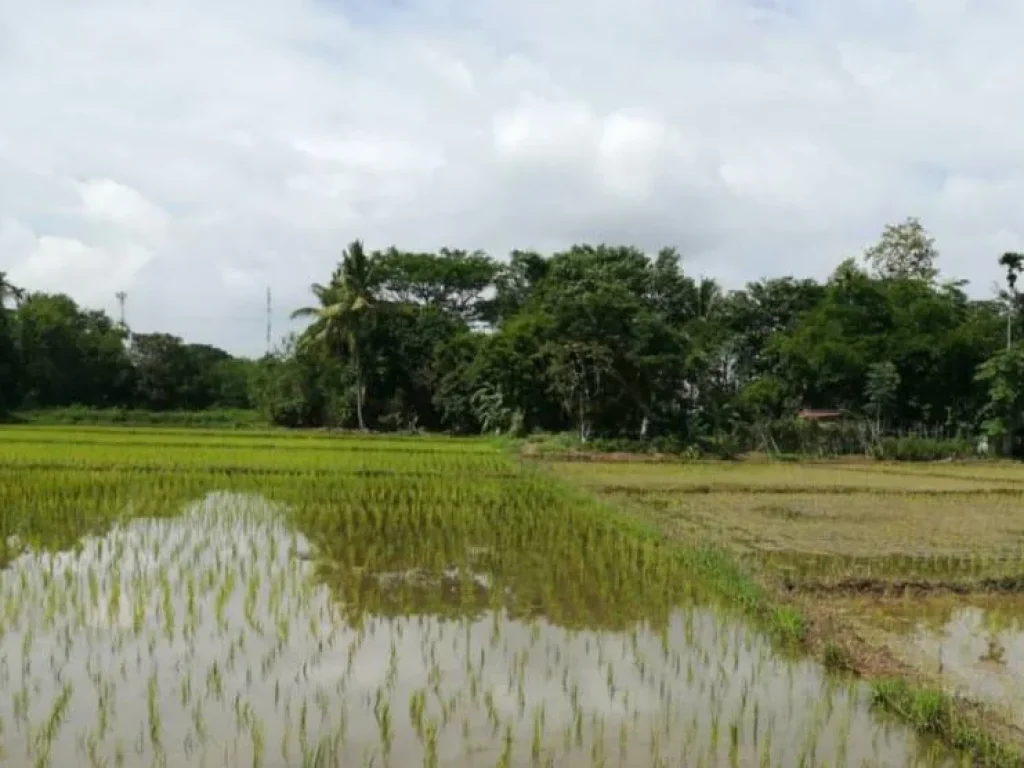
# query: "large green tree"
{"points": [[170, 374], [606, 340], [904, 250], [71, 356], [450, 281]]}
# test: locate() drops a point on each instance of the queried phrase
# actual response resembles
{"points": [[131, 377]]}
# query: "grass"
{"points": [[836, 658], [321, 600], [934, 711]]}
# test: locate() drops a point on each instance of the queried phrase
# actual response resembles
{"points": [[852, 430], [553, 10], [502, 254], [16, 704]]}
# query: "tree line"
{"points": [[605, 341], [54, 353]]}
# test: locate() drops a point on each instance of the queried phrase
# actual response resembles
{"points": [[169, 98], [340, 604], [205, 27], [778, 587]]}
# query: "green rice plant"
{"points": [[268, 591]]}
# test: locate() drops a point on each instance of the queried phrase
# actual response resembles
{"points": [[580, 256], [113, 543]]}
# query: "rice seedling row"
{"points": [[430, 615]]}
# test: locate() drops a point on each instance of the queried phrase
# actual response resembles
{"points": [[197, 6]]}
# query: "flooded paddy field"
{"points": [[912, 572], [209, 599], [973, 643]]}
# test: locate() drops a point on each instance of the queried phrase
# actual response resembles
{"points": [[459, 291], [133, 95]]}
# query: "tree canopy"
{"points": [[54, 353], [603, 340]]}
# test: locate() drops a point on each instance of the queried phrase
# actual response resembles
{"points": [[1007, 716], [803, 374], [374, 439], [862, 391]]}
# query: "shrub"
{"points": [[913, 448], [214, 417]]}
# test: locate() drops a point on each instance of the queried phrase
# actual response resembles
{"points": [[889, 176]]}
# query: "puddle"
{"points": [[975, 643], [211, 639]]}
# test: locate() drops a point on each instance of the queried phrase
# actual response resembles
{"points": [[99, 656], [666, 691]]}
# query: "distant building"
{"points": [[819, 414]]}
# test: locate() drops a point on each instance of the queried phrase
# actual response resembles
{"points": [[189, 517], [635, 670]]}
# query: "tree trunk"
{"points": [[359, 402], [584, 431], [359, 385]]}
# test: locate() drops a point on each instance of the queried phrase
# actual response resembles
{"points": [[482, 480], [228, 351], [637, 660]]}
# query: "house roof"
{"points": [[819, 414]]}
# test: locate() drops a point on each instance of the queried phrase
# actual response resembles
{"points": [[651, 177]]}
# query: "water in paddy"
{"points": [[974, 644], [212, 639]]}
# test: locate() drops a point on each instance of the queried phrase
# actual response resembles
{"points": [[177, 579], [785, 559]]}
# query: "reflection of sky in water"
{"points": [[980, 652], [211, 624]]}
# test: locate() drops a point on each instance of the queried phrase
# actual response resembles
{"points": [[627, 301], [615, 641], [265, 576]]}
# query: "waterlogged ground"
{"points": [[205, 640], [973, 644], [409, 607]]}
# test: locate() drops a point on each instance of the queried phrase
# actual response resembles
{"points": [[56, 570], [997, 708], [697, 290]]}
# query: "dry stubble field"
{"points": [[908, 570]]}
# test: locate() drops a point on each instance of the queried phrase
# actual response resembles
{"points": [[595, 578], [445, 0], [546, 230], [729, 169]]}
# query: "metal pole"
{"points": [[269, 320], [1011, 304], [122, 296]]}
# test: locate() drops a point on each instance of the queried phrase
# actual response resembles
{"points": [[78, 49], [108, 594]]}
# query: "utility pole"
{"points": [[122, 297], [269, 319]]}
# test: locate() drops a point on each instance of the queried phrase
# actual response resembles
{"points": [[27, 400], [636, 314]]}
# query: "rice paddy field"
{"points": [[914, 571], [204, 598]]}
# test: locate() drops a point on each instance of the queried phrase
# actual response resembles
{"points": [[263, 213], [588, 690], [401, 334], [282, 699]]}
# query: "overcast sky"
{"points": [[191, 152]]}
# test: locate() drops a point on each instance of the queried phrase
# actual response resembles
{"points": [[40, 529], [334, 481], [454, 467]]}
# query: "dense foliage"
{"points": [[54, 354], [606, 341]]}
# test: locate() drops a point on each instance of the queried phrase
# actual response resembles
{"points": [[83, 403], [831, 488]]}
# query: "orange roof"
{"points": [[819, 414]]}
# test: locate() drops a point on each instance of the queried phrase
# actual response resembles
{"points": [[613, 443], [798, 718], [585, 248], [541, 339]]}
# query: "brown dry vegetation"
{"points": [[788, 478], [834, 524], [854, 524], [845, 543]]}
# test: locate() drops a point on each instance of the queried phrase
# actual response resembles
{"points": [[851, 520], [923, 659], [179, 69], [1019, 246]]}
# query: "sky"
{"points": [[191, 153]]}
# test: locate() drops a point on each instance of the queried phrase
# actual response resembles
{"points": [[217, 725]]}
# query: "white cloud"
{"points": [[192, 153], [128, 213], [67, 265], [119, 231]]}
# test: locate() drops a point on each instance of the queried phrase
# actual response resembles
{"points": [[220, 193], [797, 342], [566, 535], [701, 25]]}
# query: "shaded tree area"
{"points": [[603, 341]]}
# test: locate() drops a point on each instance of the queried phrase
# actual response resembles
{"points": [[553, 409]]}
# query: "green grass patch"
{"points": [[934, 712]]}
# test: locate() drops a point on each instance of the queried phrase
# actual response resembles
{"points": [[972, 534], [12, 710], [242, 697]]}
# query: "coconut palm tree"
{"points": [[1014, 265], [342, 310]]}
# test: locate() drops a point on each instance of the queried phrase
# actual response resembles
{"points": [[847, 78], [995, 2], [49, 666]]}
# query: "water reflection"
{"points": [[975, 644], [220, 639]]}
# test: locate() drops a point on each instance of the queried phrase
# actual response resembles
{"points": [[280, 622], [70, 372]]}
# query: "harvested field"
{"points": [[860, 548]]}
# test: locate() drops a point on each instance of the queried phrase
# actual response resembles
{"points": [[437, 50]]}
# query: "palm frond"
{"points": [[305, 312]]}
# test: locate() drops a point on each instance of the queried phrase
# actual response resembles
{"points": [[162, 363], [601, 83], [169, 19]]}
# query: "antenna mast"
{"points": [[269, 319], [122, 297]]}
